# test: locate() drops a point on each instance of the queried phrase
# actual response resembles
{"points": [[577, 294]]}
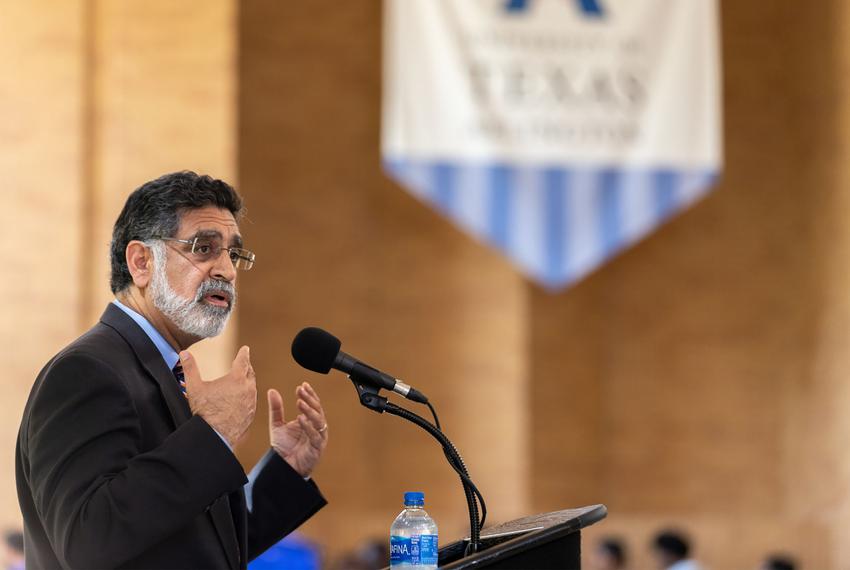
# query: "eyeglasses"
{"points": [[206, 249]]}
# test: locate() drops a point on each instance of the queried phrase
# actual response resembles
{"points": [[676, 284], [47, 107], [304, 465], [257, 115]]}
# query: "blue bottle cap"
{"points": [[414, 498]]}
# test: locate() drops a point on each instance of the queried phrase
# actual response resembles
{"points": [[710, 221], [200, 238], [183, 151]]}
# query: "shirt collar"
{"points": [[166, 350]]}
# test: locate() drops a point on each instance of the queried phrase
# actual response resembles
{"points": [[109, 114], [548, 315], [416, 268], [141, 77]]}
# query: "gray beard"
{"points": [[191, 316]]}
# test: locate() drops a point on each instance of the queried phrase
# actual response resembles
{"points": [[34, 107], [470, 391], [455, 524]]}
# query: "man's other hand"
{"points": [[299, 442]]}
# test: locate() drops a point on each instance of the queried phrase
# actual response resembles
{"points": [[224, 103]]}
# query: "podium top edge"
{"points": [[584, 516]]}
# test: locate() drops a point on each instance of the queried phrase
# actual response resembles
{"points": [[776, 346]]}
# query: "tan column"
{"points": [[817, 462], [41, 55], [718, 346]]}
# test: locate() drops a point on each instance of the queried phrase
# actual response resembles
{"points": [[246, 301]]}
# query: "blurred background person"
{"points": [[779, 562], [672, 549], [13, 558], [610, 554]]}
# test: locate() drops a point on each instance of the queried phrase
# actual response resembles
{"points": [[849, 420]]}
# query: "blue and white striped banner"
{"points": [[558, 131]]}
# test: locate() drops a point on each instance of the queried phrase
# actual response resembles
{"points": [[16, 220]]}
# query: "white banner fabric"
{"points": [[560, 131]]}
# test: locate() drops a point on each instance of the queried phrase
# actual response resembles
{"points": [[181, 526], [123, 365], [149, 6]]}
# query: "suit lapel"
{"points": [[151, 360]]}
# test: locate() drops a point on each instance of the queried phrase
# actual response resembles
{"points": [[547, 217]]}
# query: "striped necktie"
{"points": [[178, 374]]}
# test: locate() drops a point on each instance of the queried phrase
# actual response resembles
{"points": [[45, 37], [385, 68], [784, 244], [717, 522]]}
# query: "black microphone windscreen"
{"points": [[315, 349]]}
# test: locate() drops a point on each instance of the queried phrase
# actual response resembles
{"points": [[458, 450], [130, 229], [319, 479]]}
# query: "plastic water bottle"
{"points": [[413, 536]]}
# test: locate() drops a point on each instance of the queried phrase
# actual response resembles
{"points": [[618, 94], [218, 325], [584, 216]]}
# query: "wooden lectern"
{"points": [[549, 541]]}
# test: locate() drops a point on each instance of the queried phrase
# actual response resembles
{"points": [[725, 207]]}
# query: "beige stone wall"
{"points": [[718, 346], [341, 247]]}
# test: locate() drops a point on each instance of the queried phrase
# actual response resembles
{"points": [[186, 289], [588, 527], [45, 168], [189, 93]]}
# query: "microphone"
{"points": [[319, 351]]}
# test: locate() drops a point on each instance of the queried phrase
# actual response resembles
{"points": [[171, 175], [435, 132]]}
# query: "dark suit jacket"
{"points": [[114, 471]]}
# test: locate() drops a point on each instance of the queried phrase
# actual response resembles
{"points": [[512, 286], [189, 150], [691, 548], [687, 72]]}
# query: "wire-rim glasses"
{"points": [[205, 249]]}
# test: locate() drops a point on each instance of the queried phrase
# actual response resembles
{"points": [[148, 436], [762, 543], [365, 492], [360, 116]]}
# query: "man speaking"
{"points": [[125, 456]]}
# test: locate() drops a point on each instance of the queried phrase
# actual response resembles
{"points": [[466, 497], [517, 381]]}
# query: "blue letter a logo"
{"points": [[590, 8]]}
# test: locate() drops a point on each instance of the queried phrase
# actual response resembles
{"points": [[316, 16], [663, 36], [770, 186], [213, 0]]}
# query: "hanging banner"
{"points": [[559, 131]]}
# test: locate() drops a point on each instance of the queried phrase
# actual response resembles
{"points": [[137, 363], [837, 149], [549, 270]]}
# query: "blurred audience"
{"points": [[778, 562], [610, 554], [672, 550], [14, 552]]}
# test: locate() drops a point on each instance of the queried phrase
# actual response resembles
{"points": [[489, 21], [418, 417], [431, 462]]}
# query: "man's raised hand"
{"points": [[228, 403]]}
